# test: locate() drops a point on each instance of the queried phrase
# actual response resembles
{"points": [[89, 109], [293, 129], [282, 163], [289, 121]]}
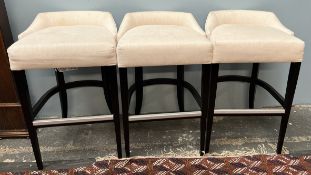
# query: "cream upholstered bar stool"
{"points": [[70, 39], [240, 36], [158, 38]]}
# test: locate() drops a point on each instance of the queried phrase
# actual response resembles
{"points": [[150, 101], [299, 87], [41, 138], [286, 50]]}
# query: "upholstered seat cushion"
{"points": [[161, 40], [62, 46], [252, 37], [251, 43]]}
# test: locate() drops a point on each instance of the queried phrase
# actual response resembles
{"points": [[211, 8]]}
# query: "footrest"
{"points": [[72, 121], [249, 112], [217, 112], [164, 116]]}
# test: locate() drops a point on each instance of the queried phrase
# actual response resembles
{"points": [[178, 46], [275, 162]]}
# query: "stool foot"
{"points": [[36, 149], [202, 153], [282, 133], [180, 88]]}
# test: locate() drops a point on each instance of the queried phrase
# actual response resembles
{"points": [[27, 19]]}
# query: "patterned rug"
{"points": [[261, 164]]}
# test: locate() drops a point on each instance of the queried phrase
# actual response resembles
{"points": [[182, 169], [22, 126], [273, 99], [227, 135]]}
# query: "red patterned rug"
{"points": [[261, 164]]}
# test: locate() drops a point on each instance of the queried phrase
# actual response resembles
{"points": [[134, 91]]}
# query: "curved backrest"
{"points": [[136, 19], [216, 18], [69, 18]]}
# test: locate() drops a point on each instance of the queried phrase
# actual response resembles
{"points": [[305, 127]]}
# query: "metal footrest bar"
{"points": [[197, 114], [71, 121], [164, 116], [249, 112]]}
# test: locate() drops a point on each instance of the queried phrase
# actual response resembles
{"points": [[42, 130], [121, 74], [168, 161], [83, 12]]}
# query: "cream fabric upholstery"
{"points": [[71, 18], [160, 39], [240, 36], [66, 39]]}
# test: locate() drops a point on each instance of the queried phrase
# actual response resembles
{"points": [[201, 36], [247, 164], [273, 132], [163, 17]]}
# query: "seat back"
{"points": [[263, 18], [132, 20], [70, 18]]}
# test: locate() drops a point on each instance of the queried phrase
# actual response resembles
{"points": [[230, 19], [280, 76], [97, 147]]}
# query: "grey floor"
{"points": [[81, 145]]}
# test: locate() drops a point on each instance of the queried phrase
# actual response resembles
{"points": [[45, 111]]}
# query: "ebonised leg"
{"points": [[289, 96], [23, 92], [113, 82], [139, 89], [252, 86], [106, 87], [125, 108], [205, 84], [62, 92], [211, 106], [180, 88]]}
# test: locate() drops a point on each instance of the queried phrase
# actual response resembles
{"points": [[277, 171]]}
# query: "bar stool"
{"points": [[241, 36], [70, 39], [159, 39]]}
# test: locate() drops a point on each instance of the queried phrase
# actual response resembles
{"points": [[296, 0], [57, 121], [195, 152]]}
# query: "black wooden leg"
{"points": [[125, 108], [289, 96], [62, 92], [252, 86], [205, 84], [106, 87], [180, 88], [23, 92], [211, 106], [113, 82], [139, 89]]}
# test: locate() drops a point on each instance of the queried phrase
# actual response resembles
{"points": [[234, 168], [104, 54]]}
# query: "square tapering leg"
{"points": [[289, 97], [113, 83], [23, 93], [211, 104], [125, 108], [205, 85]]}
